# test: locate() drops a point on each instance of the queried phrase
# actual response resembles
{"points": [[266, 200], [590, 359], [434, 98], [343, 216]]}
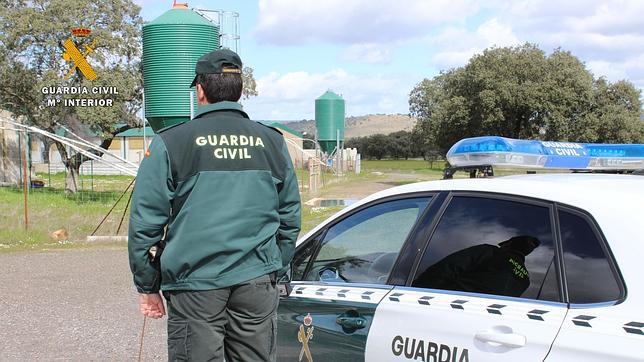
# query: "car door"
{"points": [[339, 277], [486, 287], [601, 324]]}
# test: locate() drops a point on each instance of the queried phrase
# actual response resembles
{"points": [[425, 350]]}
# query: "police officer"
{"points": [[483, 268], [220, 193]]}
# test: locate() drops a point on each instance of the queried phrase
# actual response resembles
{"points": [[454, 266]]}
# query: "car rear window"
{"points": [[493, 246], [589, 276]]}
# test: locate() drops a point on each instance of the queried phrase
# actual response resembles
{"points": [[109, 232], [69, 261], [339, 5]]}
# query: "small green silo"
{"points": [[172, 43], [329, 120]]}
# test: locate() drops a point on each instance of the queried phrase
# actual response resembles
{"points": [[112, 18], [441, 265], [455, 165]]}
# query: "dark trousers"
{"points": [[237, 322]]}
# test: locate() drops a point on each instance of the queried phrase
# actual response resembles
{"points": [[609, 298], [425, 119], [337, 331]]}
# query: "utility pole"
{"points": [[25, 190]]}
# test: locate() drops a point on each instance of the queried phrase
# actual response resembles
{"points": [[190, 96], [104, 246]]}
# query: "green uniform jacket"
{"points": [[225, 188]]}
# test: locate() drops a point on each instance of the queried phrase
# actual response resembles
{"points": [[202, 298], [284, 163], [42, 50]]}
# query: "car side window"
{"points": [[589, 276], [492, 246], [363, 247], [301, 260]]}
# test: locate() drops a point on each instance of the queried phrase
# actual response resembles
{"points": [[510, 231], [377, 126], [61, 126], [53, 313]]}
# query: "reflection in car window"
{"points": [[364, 246], [588, 273], [491, 246]]}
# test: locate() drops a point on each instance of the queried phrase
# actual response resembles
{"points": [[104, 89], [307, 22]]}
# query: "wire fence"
{"points": [[37, 209], [48, 214]]}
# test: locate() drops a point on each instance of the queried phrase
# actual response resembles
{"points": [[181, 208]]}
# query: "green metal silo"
{"points": [[172, 43], [329, 120]]}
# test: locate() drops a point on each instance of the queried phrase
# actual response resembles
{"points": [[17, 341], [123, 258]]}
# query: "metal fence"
{"points": [[36, 209], [45, 213]]}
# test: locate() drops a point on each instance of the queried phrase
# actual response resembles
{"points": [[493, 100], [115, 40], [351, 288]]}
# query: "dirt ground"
{"points": [[377, 181], [73, 305]]}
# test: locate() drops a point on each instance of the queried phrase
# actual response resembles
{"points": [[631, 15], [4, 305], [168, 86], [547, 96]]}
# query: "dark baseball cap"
{"points": [[523, 243], [218, 61]]}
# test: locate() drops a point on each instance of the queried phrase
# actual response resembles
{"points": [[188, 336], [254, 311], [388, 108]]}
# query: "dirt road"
{"points": [[377, 181], [73, 305]]}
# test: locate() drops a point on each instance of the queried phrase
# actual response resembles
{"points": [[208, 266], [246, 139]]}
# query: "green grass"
{"points": [[402, 165], [51, 209], [116, 183]]}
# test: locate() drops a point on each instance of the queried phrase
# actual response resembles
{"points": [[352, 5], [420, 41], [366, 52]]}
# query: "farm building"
{"points": [[130, 144]]}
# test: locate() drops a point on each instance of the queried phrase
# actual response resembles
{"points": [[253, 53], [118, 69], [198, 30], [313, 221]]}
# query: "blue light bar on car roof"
{"points": [[501, 151]]}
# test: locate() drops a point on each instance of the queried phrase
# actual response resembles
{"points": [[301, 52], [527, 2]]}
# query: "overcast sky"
{"points": [[373, 52]]}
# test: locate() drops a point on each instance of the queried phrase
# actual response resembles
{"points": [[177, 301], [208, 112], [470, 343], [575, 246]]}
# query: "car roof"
{"points": [[552, 187]]}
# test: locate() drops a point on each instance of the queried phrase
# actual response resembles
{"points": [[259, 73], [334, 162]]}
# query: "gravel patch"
{"points": [[73, 305]]}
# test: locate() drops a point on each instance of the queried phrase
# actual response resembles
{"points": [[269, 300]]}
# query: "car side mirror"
{"points": [[284, 289], [330, 274]]}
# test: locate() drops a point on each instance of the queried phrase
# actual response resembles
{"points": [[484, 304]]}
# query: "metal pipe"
{"points": [[24, 183], [192, 106], [145, 142], [84, 142], [20, 157], [337, 153], [69, 142]]}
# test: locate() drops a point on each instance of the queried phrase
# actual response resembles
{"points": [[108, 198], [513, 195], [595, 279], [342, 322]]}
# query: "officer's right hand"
{"points": [[151, 305]]}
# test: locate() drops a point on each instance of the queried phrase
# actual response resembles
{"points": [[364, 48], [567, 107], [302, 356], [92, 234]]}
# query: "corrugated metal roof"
{"points": [[137, 132], [282, 127], [287, 129]]}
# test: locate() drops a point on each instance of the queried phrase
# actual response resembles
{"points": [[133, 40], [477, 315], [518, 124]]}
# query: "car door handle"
{"points": [[513, 340], [351, 321]]}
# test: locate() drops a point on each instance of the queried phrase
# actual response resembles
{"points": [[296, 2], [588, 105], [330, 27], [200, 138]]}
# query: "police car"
{"points": [[516, 268]]}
